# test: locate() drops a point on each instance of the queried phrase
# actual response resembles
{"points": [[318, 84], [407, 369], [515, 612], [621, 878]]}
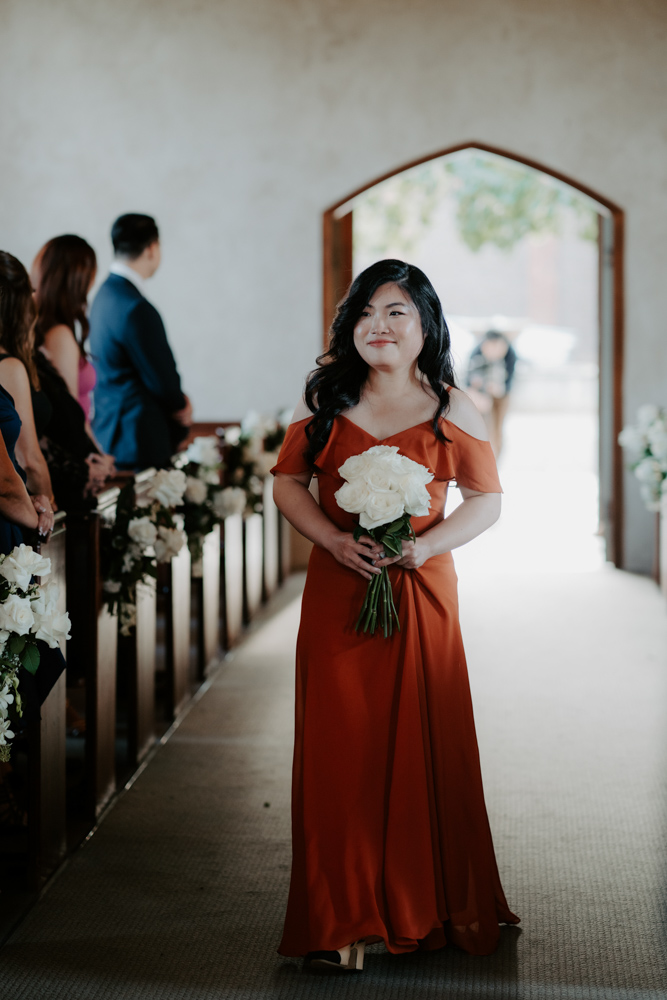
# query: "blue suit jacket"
{"points": [[138, 386]]}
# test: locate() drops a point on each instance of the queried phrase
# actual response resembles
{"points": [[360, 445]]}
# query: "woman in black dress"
{"points": [[19, 379]]}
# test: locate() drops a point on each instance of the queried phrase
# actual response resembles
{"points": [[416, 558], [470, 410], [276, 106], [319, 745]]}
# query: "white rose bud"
{"points": [[232, 500], [195, 490], [169, 543], [142, 531], [204, 451]]}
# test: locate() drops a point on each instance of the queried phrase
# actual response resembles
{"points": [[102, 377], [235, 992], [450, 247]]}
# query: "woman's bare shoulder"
{"points": [[464, 414], [59, 336], [13, 369]]}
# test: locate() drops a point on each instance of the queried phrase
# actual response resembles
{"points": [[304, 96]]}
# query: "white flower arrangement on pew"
{"points": [[206, 502], [645, 447], [142, 534], [29, 613], [251, 452], [202, 465], [386, 489]]}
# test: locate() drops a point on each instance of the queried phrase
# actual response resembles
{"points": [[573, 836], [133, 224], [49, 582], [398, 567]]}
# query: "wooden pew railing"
{"points": [[92, 649], [47, 796], [244, 561]]}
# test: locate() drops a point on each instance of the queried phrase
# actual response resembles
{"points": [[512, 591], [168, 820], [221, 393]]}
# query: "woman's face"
{"points": [[388, 335]]}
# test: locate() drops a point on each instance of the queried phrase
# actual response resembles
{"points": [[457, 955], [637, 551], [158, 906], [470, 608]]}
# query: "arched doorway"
{"points": [[338, 272]]}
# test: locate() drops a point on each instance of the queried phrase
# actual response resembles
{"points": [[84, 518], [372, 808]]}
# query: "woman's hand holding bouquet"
{"points": [[385, 489]]}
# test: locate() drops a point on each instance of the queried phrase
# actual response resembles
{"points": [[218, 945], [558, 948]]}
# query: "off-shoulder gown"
{"points": [[390, 834]]}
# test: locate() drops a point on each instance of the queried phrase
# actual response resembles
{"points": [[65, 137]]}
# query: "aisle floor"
{"points": [[180, 892]]}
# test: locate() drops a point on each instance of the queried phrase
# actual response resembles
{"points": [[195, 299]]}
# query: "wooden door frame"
{"points": [[337, 274]]}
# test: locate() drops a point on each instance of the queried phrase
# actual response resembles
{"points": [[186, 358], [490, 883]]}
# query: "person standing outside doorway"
{"points": [[489, 381], [141, 413]]}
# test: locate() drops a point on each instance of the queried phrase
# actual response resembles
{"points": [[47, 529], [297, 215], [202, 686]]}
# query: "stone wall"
{"points": [[237, 123]]}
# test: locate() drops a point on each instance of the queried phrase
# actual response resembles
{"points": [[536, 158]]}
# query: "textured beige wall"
{"points": [[236, 122]]}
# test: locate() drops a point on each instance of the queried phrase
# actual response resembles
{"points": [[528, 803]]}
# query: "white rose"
{"points": [[167, 487], [646, 415], [169, 543], [353, 496], [232, 436], [231, 500], [633, 439], [22, 563], [416, 497], [16, 614], [204, 451], [195, 490], [52, 628], [355, 467], [381, 508], [142, 531], [649, 471], [657, 439], [207, 474]]}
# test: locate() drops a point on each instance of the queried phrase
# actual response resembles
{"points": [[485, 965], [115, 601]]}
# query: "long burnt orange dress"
{"points": [[391, 839]]}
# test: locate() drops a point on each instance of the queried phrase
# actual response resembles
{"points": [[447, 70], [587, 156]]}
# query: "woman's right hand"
{"points": [[349, 553]]}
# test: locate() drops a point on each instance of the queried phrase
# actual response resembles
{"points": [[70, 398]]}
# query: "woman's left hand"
{"points": [[414, 555], [44, 513]]}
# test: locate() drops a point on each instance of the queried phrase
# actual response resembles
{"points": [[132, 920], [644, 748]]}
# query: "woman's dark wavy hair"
{"points": [[17, 314], [61, 273], [337, 382]]}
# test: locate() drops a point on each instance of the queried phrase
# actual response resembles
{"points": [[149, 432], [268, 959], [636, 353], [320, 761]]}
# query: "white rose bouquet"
{"points": [[29, 612], [645, 447], [385, 489]]}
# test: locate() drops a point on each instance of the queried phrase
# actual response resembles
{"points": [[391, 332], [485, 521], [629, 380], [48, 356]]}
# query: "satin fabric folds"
{"points": [[391, 839]]}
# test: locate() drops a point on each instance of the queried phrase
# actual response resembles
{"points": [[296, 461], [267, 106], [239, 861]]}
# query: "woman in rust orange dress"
{"points": [[391, 840]]}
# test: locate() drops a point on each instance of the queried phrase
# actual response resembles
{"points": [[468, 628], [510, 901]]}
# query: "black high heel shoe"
{"points": [[330, 963]]}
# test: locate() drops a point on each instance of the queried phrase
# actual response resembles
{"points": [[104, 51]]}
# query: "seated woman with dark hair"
{"points": [[62, 273], [20, 382]]}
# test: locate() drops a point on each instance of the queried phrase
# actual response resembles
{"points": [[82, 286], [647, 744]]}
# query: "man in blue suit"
{"points": [[141, 413]]}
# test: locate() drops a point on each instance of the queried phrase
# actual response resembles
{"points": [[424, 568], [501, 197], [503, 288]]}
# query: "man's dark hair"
{"points": [[132, 233]]}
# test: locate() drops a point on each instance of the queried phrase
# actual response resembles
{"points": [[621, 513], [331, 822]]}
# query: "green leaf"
{"points": [[30, 658], [16, 643], [392, 546]]}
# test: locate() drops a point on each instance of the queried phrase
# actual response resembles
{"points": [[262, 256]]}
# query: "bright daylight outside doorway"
{"points": [[512, 250]]}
